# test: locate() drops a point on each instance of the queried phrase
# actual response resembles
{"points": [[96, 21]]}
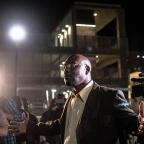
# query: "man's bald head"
{"points": [[80, 59], [77, 71]]}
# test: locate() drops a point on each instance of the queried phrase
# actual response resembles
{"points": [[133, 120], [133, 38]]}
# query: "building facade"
{"points": [[33, 69], [97, 30]]}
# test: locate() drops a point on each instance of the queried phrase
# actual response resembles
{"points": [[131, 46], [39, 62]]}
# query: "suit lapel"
{"points": [[92, 104]]}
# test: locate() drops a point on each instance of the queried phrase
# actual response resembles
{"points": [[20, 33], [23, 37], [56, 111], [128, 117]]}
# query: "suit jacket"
{"points": [[106, 114]]}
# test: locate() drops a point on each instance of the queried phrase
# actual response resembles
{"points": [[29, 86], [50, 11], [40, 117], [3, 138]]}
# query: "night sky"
{"points": [[41, 16]]}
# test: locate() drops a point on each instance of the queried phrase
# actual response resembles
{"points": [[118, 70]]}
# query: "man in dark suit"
{"points": [[93, 114]]}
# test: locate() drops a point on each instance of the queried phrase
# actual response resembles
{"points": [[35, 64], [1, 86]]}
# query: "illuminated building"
{"points": [[95, 30]]}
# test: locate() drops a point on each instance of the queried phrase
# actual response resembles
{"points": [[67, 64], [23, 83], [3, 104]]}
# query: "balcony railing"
{"points": [[97, 42], [83, 44], [100, 42]]}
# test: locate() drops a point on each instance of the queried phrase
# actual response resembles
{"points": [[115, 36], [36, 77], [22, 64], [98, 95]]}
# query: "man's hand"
{"points": [[22, 126], [19, 127]]}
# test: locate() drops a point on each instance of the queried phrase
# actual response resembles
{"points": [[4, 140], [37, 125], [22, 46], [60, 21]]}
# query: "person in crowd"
{"points": [[3, 126], [14, 107], [3, 123], [10, 107], [136, 99], [54, 112], [22, 106], [93, 114]]}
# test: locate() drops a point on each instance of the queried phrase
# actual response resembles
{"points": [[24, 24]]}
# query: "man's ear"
{"points": [[87, 69]]}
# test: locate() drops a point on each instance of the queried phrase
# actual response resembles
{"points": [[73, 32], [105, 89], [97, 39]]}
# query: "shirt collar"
{"points": [[85, 91]]}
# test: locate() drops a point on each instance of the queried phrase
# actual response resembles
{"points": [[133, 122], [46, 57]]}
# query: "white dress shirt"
{"points": [[74, 113]]}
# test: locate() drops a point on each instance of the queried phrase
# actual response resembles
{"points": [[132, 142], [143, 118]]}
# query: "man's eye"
{"points": [[71, 66]]}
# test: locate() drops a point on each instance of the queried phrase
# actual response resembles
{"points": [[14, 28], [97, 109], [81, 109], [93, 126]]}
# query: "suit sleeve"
{"points": [[50, 128], [126, 117]]}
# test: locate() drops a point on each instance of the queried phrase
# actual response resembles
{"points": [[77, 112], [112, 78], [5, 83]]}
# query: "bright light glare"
{"points": [[17, 33], [85, 25], [95, 14]]}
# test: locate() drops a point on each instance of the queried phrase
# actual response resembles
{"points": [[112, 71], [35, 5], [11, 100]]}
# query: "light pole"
{"points": [[17, 33]]}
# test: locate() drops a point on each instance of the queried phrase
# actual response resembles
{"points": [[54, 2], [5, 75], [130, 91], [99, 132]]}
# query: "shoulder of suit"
{"points": [[104, 88]]}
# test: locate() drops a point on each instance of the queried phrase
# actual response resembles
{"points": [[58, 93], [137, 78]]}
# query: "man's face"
{"points": [[74, 72]]}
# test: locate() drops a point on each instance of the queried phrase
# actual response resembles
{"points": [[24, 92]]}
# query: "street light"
{"points": [[17, 33]]}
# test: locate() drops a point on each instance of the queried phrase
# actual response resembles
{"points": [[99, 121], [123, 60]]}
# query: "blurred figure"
{"points": [[22, 106], [3, 123], [135, 104], [3, 126], [30, 138], [9, 106], [54, 112], [15, 108]]}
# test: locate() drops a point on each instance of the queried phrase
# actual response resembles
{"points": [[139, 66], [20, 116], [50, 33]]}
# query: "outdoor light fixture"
{"points": [[59, 35], [53, 93], [17, 33], [63, 30], [95, 14], [67, 26], [85, 25], [138, 56]]}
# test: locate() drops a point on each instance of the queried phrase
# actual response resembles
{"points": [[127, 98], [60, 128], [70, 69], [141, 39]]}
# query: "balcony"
{"points": [[84, 44], [101, 44]]}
